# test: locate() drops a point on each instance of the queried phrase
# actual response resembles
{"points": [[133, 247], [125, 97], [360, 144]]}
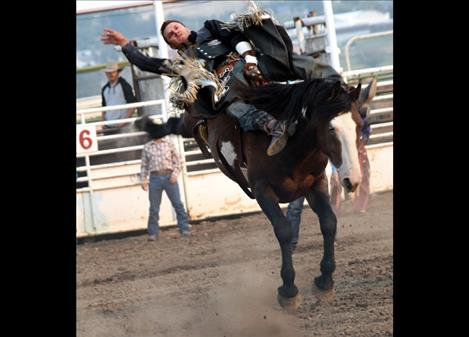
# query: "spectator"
{"points": [[159, 170], [362, 194], [294, 217], [116, 91]]}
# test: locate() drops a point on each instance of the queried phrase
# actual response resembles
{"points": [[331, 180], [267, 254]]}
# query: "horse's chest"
{"points": [[304, 184], [298, 184], [307, 182]]}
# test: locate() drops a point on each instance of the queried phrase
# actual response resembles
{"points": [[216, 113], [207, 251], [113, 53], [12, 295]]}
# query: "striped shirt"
{"points": [[159, 156]]}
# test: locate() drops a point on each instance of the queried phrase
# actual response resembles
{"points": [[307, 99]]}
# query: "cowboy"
{"points": [[215, 44], [116, 91], [220, 49]]}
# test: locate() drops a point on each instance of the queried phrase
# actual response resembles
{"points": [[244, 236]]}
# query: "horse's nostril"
{"points": [[347, 184]]}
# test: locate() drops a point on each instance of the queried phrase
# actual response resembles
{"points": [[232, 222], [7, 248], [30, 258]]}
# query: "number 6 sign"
{"points": [[86, 138]]}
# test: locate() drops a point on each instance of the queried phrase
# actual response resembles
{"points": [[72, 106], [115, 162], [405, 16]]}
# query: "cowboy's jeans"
{"points": [[157, 185], [294, 217], [248, 115]]}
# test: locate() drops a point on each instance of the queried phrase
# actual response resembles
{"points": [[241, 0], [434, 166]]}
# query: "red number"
{"points": [[85, 142]]}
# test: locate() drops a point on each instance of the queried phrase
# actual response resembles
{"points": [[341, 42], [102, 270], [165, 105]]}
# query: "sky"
{"points": [[83, 5]]}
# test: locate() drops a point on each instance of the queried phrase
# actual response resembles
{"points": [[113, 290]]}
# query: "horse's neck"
{"points": [[303, 142], [303, 149]]}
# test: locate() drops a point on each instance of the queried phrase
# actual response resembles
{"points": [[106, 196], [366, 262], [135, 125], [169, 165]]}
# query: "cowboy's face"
{"points": [[176, 34], [112, 76]]}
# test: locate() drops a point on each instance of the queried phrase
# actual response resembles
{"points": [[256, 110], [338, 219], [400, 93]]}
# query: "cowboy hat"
{"points": [[112, 66]]}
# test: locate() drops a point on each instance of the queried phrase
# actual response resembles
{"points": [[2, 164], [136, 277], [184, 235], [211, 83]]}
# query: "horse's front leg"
{"points": [[288, 293], [319, 200]]}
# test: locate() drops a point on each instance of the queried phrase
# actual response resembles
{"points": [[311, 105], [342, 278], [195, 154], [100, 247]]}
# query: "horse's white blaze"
{"points": [[228, 152], [345, 129]]}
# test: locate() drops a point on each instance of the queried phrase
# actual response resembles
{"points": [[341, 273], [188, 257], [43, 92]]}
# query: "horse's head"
{"points": [[338, 134], [326, 109]]}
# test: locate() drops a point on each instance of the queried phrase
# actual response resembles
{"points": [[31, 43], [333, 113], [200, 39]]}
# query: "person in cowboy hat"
{"points": [[116, 91]]}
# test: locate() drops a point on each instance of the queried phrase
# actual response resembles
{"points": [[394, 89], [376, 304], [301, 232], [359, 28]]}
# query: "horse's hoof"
{"points": [[323, 295], [324, 282], [290, 304]]}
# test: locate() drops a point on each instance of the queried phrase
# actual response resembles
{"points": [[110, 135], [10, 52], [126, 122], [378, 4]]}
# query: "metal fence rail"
{"points": [[88, 168], [383, 72], [361, 37], [381, 114]]}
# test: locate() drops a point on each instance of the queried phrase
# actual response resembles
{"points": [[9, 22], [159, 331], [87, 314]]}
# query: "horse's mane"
{"points": [[310, 99]]}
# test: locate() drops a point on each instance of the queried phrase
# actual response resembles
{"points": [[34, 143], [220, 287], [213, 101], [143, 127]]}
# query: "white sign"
{"points": [[86, 139]]}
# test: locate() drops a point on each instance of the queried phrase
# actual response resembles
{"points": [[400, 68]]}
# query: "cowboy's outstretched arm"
{"points": [[143, 62], [146, 63]]}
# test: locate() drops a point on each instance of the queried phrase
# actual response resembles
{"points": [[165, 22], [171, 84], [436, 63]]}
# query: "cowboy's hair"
{"points": [[165, 24]]}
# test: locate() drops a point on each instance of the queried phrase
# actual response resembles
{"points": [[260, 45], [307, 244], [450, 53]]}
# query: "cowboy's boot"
{"points": [[278, 131], [251, 118], [279, 137], [366, 95]]}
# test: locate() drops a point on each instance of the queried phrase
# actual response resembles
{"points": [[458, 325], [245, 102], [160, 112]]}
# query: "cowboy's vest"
{"points": [[208, 48], [275, 65], [215, 54]]}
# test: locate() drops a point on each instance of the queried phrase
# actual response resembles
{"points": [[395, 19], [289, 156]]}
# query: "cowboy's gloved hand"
{"points": [[251, 70], [253, 74]]}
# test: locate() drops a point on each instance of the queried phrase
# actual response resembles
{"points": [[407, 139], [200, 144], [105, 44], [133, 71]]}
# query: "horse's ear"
{"points": [[336, 87], [355, 93]]}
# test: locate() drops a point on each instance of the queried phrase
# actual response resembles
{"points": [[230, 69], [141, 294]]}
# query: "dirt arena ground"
{"points": [[222, 281]]}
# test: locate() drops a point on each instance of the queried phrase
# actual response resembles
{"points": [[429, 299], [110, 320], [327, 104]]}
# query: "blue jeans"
{"points": [[294, 217], [157, 185]]}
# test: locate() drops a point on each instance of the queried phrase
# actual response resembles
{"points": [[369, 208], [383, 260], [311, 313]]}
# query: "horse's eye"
{"points": [[331, 129]]}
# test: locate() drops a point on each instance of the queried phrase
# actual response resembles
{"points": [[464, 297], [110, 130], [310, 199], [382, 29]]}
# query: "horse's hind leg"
{"points": [[319, 200], [288, 292]]}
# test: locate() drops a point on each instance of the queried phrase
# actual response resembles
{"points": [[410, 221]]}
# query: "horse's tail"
{"points": [[155, 131]]}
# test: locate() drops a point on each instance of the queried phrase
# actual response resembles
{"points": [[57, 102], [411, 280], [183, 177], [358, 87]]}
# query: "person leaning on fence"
{"points": [[116, 91], [160, 168]]}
